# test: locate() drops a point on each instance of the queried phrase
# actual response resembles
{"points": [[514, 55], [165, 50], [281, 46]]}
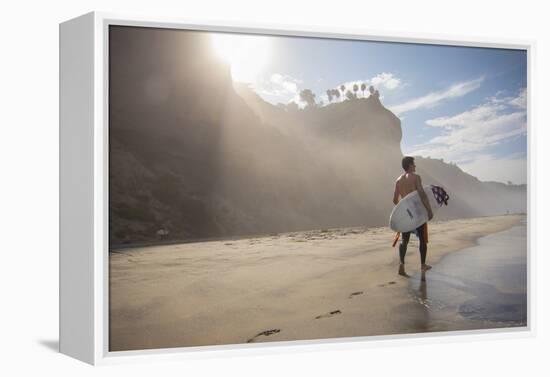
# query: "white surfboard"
{"points": [[410, 212]]}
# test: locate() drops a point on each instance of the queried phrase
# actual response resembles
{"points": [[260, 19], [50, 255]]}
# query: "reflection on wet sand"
{"points": [[423, 299], [493, 294]]}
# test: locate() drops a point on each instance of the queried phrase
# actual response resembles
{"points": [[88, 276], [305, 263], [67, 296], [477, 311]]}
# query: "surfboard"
{"points": [[410, 212]]}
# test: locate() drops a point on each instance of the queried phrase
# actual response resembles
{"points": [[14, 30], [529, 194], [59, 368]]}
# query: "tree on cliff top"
{"points": [[336, 93], [308, 97], [373, 92]]}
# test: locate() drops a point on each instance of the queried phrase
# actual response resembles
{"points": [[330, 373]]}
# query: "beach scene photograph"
{"points": [[276, 188]]}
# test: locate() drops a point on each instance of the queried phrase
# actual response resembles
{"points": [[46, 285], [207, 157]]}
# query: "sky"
{"points": [[464, 105]]}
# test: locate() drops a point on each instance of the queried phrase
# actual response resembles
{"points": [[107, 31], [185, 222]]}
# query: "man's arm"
{"points": [[424, 197], [396, 195]]}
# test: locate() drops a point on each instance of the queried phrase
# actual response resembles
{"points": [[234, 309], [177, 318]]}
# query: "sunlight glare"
{"points": [[247, 54]]}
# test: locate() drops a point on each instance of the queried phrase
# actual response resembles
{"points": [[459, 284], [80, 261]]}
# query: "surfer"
{"points": [[406, 183]]}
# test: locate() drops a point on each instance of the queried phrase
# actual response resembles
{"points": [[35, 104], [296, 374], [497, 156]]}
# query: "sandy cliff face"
{"points": [[170, 101], [192, 156]]}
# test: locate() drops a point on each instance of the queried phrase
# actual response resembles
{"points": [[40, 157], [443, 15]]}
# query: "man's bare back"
{"points": [[406, 183]]}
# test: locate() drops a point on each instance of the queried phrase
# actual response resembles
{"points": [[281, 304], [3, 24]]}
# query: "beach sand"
{"points": [[296, 286]]}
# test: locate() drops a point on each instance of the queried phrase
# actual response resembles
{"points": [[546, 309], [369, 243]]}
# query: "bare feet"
{"points": [[402, 270], [425, 267]]}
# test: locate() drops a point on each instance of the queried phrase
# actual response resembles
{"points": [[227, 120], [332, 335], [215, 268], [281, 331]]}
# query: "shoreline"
{"points": [[491, 295], [121, 247], [443, 249], [297, 286]]}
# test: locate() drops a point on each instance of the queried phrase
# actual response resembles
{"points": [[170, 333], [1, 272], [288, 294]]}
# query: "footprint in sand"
{"points": [[332, 313], [388, 283], [355, 294], [264, 333]]}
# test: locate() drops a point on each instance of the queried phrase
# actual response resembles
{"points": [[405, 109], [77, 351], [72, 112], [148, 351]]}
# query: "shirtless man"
{"points": [[404, 185]]}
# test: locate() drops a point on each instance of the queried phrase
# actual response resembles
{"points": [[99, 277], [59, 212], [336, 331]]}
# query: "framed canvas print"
{"points": [[229, 189]]}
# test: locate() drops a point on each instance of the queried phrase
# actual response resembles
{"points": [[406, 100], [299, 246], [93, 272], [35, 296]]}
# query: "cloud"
{"points": [[286, 87], [435, 98], [324, 98], [520, 101], [466, 137], [475, 130], [278, 85], [385, 80]]}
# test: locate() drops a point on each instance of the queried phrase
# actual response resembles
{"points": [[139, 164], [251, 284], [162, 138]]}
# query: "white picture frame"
{"points": [[84, 190]]}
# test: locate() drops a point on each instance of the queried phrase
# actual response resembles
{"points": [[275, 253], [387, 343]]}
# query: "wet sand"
{"points": [[481, 287], [317, 285]]}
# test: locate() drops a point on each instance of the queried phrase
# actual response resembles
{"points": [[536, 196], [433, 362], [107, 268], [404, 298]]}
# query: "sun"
{"points": [[246, 54]]}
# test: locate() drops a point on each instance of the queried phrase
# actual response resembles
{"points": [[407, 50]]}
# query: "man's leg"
{"points": [[423, 247], [402, 251], [403, 246]]}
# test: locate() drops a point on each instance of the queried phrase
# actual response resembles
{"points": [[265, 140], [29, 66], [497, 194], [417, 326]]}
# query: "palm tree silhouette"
{"points": [[329, 95], [336, 93]]}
